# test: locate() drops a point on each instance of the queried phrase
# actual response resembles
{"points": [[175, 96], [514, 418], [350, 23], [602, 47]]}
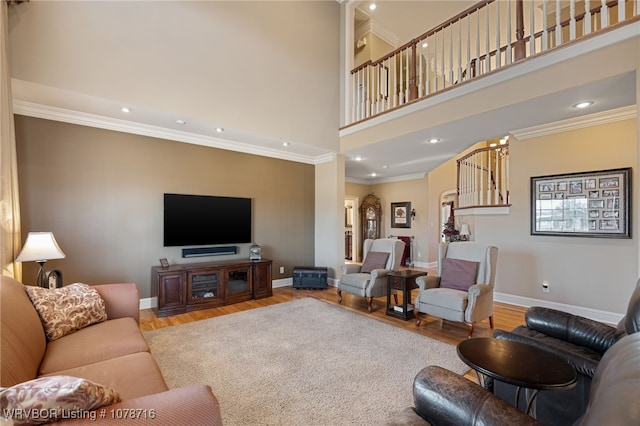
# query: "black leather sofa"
{"points": [[580, 341], [443, 398]]}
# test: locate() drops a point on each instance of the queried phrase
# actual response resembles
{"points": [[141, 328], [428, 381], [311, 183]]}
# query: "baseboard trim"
{"points": [[148, 303], [283, 282], [595, 314], [527, 302]]}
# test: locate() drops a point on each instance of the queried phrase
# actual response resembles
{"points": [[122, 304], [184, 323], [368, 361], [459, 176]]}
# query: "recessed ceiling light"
{"points": [[583, 104], [374, 174], [126, 109], [384, 166], [372, 6], [219, 129], [358, 158], [181, 122], [285, 143], [434, 140], [425, 44]]}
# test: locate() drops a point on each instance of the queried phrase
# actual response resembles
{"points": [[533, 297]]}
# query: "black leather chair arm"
{"points": [[444, 398], [571, 328], [584, 360]]}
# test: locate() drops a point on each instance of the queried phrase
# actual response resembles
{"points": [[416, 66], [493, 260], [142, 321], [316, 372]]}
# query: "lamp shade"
{"points": [[40, 246], [464, 229]]}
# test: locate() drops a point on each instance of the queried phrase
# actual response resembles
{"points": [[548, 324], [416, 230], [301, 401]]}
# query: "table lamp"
{"points": [[40, 247], [464, 232]]}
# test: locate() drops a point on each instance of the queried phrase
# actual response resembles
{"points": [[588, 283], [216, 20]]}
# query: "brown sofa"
{"points": [[112, 353]]}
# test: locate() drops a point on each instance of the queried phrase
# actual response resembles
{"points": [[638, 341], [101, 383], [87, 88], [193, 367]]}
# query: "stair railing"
{"points": [[483, 177], [483, 38]]}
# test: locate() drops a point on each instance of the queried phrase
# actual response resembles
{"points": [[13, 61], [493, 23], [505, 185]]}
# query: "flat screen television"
{"points": [[195, 220]]}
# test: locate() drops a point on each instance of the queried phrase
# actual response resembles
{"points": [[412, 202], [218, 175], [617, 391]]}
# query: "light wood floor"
{"points": [[505, 316]]}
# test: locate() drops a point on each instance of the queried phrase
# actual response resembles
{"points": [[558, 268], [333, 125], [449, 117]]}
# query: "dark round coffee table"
{"points": [[518, 364]]}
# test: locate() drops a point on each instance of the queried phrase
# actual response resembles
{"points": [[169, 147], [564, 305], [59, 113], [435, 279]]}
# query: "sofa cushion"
{"points": [[92, 344], [458, 274], [374, 260], [47, 399], [22, 339], [130, 375], [68, 309]]}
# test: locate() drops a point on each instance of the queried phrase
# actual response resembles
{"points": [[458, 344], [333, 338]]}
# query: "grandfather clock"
{"points": [[371, 212]]}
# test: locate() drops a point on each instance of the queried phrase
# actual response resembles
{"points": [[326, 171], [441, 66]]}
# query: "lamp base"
{"points": [[41, 279]]}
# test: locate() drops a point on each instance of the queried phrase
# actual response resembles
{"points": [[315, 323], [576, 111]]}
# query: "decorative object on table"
{"points": [[164, 263], [464, 232], [40, 247], [401, 215], [590, 204], [449, 230], [54, 279], [255, 252]]}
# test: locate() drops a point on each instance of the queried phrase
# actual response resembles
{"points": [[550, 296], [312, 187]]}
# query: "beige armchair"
{"points": [[370, 279], [463, 289]]}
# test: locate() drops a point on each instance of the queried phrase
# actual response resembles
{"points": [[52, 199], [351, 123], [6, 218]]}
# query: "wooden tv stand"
{"points": [[192, 286]]}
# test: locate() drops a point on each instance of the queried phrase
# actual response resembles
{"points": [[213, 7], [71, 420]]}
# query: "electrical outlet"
{"points": [[545, 286], [282, 269]]}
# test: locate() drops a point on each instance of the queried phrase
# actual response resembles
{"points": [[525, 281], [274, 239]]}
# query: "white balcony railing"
{"points": [[484, 38], [483, 177]]}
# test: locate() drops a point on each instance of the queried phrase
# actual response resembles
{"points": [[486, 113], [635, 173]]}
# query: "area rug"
{"points": [[304, 362]]}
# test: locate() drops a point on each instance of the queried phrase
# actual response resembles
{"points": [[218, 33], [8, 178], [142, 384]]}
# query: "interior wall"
{"points": [[101, 193], [329, 215], [250, 65], [415, 192], [597, 273]]}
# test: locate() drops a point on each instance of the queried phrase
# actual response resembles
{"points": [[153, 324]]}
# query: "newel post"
{"points": [[413, 87], [520, 46]]}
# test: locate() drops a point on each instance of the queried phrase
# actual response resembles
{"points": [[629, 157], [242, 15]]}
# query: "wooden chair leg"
{"points": [[369, 303], [470, 325], [339, 296], [418, 320], [491, 321]]}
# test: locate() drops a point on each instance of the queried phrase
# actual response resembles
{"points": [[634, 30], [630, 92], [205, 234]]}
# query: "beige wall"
{"points": [[237, 64], [329, 215], [596, 273], [100, 193]]}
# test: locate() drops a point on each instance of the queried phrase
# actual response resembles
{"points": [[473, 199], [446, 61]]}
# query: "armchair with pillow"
{"points": [[463, 289], [370, 279]]}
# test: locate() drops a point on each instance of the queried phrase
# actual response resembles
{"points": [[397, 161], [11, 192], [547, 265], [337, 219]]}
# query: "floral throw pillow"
{"points": [[50, 398], [68, 309]]}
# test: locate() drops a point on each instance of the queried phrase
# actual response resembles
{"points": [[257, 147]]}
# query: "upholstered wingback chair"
{"points": [[463, 289], [370, 279]]}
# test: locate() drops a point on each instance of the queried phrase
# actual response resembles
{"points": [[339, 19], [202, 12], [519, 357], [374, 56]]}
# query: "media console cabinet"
{"points": [[192, 286]]}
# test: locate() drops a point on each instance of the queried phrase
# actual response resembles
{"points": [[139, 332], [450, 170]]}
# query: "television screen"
{"points": [[193, 220]]}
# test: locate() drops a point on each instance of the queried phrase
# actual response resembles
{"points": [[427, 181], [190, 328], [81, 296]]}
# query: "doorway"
{"points": [[351, 226], [447, 200]]}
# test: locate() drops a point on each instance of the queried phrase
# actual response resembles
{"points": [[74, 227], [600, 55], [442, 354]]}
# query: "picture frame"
{"points": [[585, 204], [401, 215], [164, 263]]}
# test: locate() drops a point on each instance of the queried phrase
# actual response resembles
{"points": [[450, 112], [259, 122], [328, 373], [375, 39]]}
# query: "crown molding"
{"points": [[48, 112], [597, 119], [374, 27], [404, 178]]}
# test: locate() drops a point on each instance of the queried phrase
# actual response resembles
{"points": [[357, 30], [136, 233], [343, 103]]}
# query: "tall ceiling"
{"points": [[54, 43]]}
